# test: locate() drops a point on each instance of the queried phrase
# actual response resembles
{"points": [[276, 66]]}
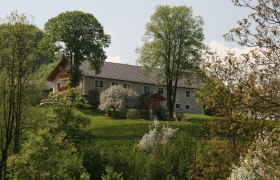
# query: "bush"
{"points": [[117, 97], [159, 114], [179, 116], [145, 114], [93, 98], [111, 174], [157, 136], [93, 162], [121, 114], [133, 114]]}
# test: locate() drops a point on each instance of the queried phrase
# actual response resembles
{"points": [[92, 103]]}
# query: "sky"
{"points": [[125, 20]]}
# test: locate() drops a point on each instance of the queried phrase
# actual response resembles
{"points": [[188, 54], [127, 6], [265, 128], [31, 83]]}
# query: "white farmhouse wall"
{"points": [[88, 83]]}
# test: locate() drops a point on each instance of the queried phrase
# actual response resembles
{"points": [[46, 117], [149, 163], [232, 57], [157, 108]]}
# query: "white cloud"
{"points": [[220, 48], [115, 59]]}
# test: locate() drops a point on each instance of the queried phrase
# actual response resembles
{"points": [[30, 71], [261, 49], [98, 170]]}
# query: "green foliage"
{"points": [[53, 150], [61, 35], [228, 140], [93, 98], [46, 155], [239, 130], [120, 114], [44, 71], [19, 39], [93, 162], [172, 43], [174, 160], [111, 174], [133, 114], [73, 124], [145, 114], [213, 160], [211, 95], [159, 114]]}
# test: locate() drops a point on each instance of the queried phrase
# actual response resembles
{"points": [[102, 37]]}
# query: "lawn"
{"points": [[103, 127]]}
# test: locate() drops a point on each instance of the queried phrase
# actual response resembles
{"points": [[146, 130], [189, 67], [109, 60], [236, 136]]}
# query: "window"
{"points": [[178, 106], [114, 84], [98, 83], [126, 86], [146, 89], [160, 90], [187, 106], [58, 85], [188, 93]]}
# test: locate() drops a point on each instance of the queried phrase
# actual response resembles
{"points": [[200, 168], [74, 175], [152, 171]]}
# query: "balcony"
{"points": [[61, 89], [64, 76]]}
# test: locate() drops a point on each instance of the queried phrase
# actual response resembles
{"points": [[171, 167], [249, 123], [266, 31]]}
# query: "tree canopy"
{"points": [[18, 51], [117, 97], [80, 37], [172, 44]]}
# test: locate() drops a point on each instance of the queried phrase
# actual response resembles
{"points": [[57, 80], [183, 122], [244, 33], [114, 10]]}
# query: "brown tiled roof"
{"points": [[129, 73]]}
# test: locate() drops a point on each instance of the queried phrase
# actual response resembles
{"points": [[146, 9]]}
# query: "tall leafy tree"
{"points": [[80, 37], [172, 44], [18, 41], [260, 30]]}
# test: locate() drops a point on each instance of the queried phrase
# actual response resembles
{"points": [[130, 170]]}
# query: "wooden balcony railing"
{"points": [[64, 76], [61, 89]]}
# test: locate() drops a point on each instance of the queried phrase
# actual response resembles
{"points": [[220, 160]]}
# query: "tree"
{"points": [[18, 42], [260, 30], [72, 124], [80, 37], [172, 44], [47, 155], [117, 97], [93, 98], [52, 150]]}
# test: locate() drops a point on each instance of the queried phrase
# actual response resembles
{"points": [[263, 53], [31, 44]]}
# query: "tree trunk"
{"points": [[170, 103], [3, 165]]}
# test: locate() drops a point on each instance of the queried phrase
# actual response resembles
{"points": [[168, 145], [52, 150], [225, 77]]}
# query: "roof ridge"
{"points": [[123, 64]]}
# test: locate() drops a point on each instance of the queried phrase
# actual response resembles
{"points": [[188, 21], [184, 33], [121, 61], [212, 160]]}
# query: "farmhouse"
{"points": [[128, 76]]}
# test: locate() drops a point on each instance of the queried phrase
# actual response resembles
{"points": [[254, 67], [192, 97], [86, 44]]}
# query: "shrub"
{"points": [[133, 114], [93, 98], [159, 114], [120, 114], [179, 116], [93, 162], [157, 136], [145, 114], [111, 175], [117, 97], [261, 161]]}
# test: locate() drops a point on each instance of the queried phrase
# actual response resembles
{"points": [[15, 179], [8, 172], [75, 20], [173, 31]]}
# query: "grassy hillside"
{"points": [[117, 133], [102, 126]]}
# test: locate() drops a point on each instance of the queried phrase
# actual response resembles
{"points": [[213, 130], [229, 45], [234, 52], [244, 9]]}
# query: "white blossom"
{"points": [[262, 162], [117, 97], [158, 135]]}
